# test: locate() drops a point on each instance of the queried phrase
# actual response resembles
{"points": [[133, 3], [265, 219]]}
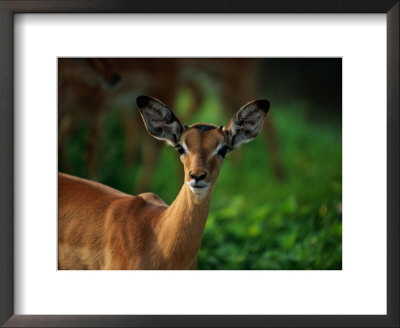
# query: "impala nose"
{"points": [[198, 175]]}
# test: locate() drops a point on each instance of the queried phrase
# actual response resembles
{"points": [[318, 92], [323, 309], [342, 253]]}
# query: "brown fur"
{"points": [[102, 228]]}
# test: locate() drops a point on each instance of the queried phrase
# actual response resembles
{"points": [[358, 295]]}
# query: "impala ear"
{"points": [[247, 122], [159, 120]]}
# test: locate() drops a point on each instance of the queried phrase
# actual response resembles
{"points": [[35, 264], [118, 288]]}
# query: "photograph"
{"points": [[155, 172], [199, 163]]}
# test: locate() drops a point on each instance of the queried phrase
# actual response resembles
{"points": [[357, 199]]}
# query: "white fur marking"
{"points": [[218, 149], [185, 148], [200, 193]]}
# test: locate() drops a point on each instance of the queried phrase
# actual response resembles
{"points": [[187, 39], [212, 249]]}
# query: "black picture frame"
{"points": [[10, 7]]}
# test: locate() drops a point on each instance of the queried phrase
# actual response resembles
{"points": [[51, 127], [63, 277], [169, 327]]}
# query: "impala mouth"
{"points": [[199, 188], [197, 185]]}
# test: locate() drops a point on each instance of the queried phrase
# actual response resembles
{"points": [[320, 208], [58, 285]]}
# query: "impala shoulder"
{"points": [[136, 208], [153, 199]]}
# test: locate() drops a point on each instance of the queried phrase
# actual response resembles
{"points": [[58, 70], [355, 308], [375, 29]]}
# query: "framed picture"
{"points": [[240, 187], [283, 245]]}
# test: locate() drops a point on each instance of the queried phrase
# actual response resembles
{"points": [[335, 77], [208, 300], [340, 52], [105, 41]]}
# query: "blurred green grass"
{"points": [[256, 221]]}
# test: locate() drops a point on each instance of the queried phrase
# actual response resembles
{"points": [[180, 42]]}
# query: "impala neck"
{"points": [[183, 226]]}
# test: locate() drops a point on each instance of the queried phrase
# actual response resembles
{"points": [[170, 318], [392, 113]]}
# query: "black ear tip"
{"points": [[263, 104], [142, 101]]}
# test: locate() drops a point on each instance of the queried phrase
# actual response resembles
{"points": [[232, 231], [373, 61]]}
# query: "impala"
{"points": [[102, 228]]}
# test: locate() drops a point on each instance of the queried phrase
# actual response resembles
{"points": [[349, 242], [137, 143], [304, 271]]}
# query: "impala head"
{"points": [[202, 147]]}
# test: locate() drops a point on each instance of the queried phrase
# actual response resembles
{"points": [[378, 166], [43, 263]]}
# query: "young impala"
{"points": [[102, 228]]}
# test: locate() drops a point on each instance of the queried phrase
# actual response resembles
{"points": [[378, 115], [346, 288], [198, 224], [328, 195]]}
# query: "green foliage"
{"points": [[256, 221]]}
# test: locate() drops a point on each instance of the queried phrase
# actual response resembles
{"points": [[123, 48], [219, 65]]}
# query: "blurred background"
{"points": [[277, 203]]}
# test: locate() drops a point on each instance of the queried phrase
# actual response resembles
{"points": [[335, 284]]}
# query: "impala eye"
{"points": [[180, 149], [222, 152]]}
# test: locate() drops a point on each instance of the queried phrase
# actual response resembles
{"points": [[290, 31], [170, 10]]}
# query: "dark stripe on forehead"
{"points": [[203, 127]]}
